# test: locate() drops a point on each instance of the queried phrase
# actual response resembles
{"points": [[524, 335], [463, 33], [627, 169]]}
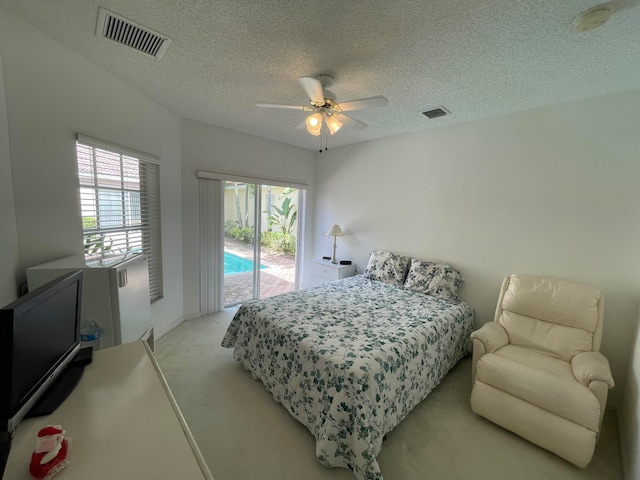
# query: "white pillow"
{"points": [[436, 279], [387, 267]]}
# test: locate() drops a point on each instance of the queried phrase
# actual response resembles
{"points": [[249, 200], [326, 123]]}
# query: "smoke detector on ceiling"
{"points": [[131, 34], [593, 18]]}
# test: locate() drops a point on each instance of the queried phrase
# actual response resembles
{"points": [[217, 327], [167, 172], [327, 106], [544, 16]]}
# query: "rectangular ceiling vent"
{"points": [[125, 32], [436, 112]]}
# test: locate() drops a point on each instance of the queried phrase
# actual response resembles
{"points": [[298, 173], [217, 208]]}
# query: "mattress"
{"points": [[350, 359]]}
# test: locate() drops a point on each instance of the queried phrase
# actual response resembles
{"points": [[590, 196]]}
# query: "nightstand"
{"points": [[323, 271]]}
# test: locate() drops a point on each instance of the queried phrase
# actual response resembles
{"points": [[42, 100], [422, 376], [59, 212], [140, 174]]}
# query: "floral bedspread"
{"points": [[350, 359]]}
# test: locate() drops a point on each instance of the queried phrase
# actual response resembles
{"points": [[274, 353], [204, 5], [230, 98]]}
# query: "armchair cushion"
{"points": [[492, 336], [543, 381], [550, 315], [589, 366], [557, 340], [553, 300]]}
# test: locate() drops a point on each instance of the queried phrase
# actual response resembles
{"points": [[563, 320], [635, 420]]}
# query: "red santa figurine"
{"points": [[50, 455]]}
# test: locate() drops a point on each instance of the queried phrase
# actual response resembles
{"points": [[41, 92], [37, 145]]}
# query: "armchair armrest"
{"points": [[492, 335], [590, 366]]}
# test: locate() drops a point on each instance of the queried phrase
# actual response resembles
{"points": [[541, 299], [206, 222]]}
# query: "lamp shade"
{"points": [[314, 124], [333, 123], [335, 231]]}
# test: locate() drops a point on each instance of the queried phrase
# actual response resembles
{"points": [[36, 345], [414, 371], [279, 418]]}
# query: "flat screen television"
{"points": [[39, 338]]}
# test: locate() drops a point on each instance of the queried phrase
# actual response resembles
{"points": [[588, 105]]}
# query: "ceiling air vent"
{"points": [[436, 112], [119, 29]]}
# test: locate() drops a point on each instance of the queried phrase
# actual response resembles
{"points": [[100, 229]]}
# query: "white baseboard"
{"points": [[161, 333]]}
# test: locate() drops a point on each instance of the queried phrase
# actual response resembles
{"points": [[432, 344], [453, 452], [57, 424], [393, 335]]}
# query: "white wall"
{"points": [[9, 237], [218, 150], [552, 191], [51, 94], [629, 413]]}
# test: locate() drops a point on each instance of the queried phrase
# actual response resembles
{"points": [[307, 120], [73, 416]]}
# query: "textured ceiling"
{"points": [[477, 58]]}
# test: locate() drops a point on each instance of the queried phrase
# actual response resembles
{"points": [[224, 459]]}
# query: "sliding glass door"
{"points": [[261, 235]]}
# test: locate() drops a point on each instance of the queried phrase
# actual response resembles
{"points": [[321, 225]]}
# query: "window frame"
{"points": [[134, 174]]}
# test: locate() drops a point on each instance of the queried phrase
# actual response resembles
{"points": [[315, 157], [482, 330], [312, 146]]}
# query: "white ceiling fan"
{"points": [[326, 111]]}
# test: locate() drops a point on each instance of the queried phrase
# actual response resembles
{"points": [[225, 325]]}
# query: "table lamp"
{"points": [[334, 231]]}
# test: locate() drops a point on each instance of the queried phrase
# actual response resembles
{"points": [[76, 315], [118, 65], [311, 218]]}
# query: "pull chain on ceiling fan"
{"points": [[326, 111]]}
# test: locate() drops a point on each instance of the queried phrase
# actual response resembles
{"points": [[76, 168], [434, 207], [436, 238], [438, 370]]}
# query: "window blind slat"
{"points": [[116, 149]]}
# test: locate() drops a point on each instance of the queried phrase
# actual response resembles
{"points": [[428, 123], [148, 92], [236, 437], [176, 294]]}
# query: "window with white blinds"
{"points": [[120, 200]]}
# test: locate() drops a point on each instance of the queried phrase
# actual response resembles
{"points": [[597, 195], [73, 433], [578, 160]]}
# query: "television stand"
{"points": [[58, 391]]}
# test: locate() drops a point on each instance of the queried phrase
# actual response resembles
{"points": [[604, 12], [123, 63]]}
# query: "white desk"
{"points": [[123, 423]]}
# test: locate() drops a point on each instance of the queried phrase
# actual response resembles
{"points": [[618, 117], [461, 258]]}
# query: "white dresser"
{"points": [[323, 271]]}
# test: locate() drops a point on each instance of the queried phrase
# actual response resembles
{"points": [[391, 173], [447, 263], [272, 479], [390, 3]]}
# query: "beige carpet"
{"points": [[245, 435]]}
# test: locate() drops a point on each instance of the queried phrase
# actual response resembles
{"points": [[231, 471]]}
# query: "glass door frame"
{"points": [[211, 222], [257, 231]]}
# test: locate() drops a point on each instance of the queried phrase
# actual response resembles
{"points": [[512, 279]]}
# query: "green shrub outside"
{"points": [[274, 241], [233, 231], [279, 242]]}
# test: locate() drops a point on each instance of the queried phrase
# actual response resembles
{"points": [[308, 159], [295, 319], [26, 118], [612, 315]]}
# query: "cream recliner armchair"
{"points": [[537, 370]]}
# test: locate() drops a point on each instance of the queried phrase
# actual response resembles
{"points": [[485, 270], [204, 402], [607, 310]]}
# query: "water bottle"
{"points": [[90, 335]]}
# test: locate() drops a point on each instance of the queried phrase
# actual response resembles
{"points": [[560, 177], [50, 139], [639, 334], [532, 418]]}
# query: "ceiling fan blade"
{"points": [[288, 107], [362, 103], [351, 123], [313, 89]]}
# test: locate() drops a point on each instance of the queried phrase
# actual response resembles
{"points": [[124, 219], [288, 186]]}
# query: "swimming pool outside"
{"points": [[276, 276], [235, 264]]}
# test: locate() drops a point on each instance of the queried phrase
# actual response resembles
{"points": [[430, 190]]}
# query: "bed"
{"points": [[351, 358]]}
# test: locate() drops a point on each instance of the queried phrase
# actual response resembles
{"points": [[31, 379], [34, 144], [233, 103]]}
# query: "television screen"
{"points": [[39, 337]]}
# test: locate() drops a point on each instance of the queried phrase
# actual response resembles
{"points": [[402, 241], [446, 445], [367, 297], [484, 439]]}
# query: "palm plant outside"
{"points": [[282, 218], [280, 235]]}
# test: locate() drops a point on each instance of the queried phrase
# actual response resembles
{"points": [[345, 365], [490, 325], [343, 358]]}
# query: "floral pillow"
{"points": [[436, 279], [387, 267]]}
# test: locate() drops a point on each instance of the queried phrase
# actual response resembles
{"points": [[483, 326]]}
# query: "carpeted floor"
{"points": [[245, 435]]}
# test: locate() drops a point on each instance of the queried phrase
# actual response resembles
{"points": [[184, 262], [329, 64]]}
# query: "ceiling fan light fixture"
{"points": [[333, 123], [324, 108], [314, 124]]}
